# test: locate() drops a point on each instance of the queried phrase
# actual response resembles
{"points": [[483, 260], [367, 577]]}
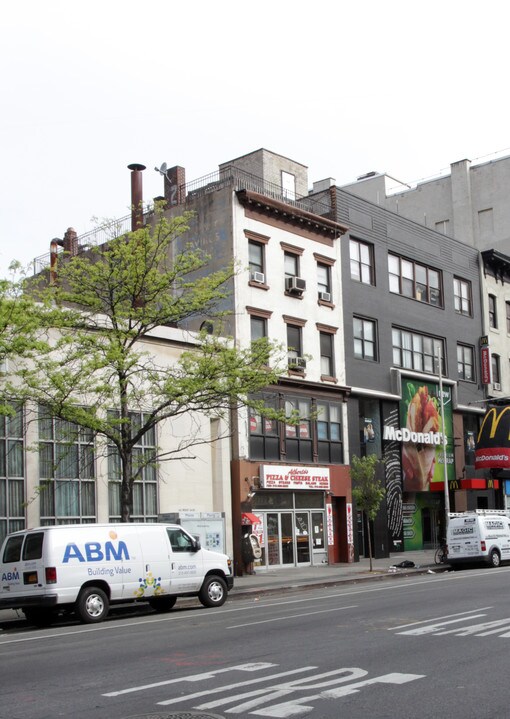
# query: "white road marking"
{"points": [[438, 619], [252, 667], [291, 616], [216, 690], [480, 630], [434, 628]]}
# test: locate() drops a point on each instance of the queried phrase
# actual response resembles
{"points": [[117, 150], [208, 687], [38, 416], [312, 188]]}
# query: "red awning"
{"points": [[249, 518]]}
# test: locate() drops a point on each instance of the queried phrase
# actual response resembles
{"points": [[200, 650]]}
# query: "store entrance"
{"points": [[293, 538]]}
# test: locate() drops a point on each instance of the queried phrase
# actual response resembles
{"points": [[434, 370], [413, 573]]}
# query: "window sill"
{"points": [[322, 303], [295, 295], [259, 285], [327, 378]]}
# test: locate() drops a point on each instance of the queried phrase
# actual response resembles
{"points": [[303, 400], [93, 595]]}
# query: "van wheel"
{"points": [[213, 592], [92, 605], [162, 604], [495, 559], [39, 617]]}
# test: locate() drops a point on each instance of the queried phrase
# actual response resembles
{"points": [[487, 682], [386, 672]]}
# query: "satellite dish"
{"points": [[163, 169]]}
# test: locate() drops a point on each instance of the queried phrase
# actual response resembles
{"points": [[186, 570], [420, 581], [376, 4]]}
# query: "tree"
{"points": [[20, 331], [367, 491], [100, 373]]}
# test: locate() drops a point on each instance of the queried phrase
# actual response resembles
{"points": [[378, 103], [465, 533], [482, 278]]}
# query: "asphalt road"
{"points": [[423, 646]]}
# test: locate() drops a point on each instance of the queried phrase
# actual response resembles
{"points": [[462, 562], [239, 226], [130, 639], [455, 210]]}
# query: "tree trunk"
{"points": [[126, 490]]}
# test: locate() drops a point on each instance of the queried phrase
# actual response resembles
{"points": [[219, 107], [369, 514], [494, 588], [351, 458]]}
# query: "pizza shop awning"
{"points": [[249, 518]]}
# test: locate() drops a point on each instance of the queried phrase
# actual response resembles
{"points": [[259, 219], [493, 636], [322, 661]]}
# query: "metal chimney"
{"points": [[136, 195]]}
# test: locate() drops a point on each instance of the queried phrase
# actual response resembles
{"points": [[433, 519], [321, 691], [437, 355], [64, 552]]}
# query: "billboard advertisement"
{"points": [[423, 437], [493, 442]]}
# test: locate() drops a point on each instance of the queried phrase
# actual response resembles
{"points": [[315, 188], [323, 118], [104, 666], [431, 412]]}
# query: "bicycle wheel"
{"points": [[439, 556]]}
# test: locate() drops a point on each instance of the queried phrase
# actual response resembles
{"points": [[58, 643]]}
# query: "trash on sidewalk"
{"points": [[406, 564]]}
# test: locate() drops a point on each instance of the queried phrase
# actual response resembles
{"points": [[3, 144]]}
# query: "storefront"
{"points": [[299, 515]]}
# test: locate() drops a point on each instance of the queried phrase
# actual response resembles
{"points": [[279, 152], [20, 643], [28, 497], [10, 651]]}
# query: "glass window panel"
{"points": [[366, 274], [407, 270], [150, 499], [3, 497], [67, 499], [16, 498], [355, 270]]}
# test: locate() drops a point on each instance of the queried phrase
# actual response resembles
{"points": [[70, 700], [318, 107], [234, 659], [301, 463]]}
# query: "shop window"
{"points": [[298, 437], [329, 432]]}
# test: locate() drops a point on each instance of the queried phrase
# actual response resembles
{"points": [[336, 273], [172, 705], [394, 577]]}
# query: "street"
{"points": [[421, 646]]}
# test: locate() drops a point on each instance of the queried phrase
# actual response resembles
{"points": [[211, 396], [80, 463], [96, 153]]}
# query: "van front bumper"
{"points": [[28, 600]]}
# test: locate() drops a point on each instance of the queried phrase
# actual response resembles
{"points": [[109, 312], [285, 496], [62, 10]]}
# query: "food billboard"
{"points": [[423, 432]]}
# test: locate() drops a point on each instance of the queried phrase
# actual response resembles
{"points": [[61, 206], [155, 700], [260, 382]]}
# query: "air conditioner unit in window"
{"points": [[325, 296], [295, 284], [297, 363], [496, 386], [258, 277]]}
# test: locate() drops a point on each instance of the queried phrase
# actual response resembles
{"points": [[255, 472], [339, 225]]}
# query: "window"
{"points": [[495, 365], [324, 282], [66, 471], [465, 362], [316, 437], [288, 186], [258, 327], [329, 435], [12, 472], [462, 296], [291, 263], [294, 346], [493, 316], [180, 541], [327, 358], [364, 338], [256, 258], [418, 352], [411, 279], [443, 227], [507, 304], [362, 262], [145, 494], [298, 437], [264, 438]]}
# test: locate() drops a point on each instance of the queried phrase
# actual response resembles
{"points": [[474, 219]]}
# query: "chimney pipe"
{"points": [[136, 196], [71, 242]]}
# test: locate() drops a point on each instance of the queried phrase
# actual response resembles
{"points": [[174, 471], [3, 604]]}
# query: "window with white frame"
{"points": [[462, 296], [364, 331], [416, 351], [362, 261], [145, 485], [12, 473], [466, 362], [66, 471], [412, 279]]}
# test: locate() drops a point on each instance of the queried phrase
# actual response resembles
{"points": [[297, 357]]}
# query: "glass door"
{"points": [[302, 537]]}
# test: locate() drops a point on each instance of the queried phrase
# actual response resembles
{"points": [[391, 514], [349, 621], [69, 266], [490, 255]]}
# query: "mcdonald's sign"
{"points": [[493, 443]]}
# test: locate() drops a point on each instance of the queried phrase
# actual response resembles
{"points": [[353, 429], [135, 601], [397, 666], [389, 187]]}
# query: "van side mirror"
{"points": [[196, 544]]}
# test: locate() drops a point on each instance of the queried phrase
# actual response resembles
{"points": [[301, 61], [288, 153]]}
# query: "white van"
{"points": [[482, 536], [84, 568]]}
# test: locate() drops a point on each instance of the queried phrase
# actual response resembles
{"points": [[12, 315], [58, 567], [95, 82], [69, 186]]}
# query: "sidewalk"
{"points": [[293, 578], [274, 580]]}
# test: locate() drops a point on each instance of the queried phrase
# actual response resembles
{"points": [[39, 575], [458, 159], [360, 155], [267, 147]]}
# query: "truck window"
{"points": [[12, 551], [33, 546], [180, 541]]}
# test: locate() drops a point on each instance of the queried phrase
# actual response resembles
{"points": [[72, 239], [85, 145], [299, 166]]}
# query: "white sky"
{"points": [[344, 87]]}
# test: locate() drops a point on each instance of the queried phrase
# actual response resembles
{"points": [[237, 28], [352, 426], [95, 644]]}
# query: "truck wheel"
{"points": [[92, 605], [213, 592], [162, 604], [39, 617], [495, 559]]}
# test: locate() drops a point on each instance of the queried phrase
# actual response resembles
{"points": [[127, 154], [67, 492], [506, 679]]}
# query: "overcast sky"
{"points": [[404, 87]]}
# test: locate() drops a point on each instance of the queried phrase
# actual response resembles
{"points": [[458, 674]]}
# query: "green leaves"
{"points": [[368, 491]]}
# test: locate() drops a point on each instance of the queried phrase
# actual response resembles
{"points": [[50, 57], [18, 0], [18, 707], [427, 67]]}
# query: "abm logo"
{"points": [[10, 576], [96, 552]]}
